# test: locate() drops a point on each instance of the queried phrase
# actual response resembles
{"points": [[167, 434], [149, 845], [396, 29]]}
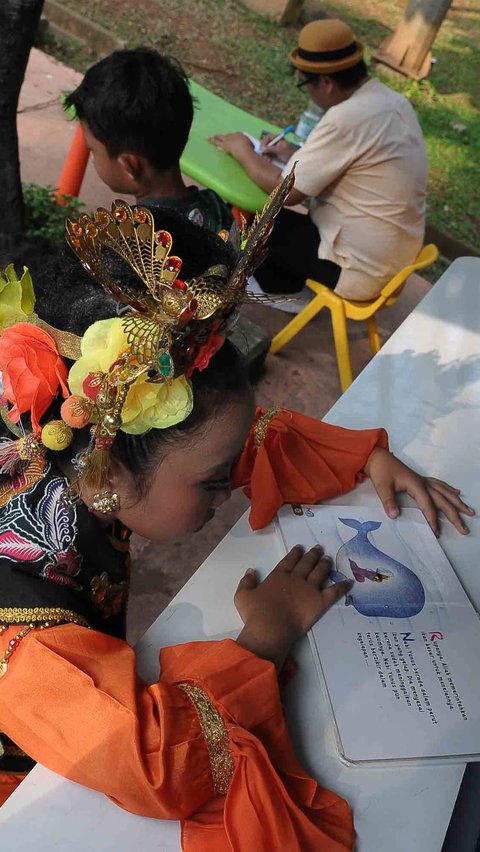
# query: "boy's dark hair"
{"points": [[137, 102]]}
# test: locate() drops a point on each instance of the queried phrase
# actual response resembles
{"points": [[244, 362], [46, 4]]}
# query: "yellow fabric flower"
{"points": [[156, 406], [102, 343], [148, 405]]}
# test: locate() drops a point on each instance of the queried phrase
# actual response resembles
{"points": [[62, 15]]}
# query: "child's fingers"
{"points": [[334, 593], [432, 480], [289, 561], [308, 562], [248, 581], [318, 576], [452, 495], [386, 492], [418, 491], [450, 511]]}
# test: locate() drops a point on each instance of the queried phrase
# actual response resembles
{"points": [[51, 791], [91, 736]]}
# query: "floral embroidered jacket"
{"points": [[70, 697]]}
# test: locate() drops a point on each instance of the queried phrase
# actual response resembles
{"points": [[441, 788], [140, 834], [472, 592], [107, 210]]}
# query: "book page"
{"points": [[257, 147], [400, 655]]}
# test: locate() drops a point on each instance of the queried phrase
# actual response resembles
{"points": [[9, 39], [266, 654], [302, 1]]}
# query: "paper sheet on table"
{"points": [[257, 146], [400, 655]]}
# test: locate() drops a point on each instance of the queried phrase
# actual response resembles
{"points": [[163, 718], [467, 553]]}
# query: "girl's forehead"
{"points": [[220, 443]]}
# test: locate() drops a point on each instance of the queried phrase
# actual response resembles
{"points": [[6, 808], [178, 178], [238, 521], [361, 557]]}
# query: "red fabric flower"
{"points": [[32, 371], [207, 351]]}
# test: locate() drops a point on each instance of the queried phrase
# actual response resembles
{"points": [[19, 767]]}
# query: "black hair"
{"points": [[29, 251], [346, 79], [350, 77], [68, 298], [137, 102]]}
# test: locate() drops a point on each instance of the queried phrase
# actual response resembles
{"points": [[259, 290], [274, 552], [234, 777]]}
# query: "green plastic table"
{"points": [[212, 167]]}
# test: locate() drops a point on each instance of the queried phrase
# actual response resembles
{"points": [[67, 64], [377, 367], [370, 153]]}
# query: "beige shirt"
{"points": [[364, 167]]}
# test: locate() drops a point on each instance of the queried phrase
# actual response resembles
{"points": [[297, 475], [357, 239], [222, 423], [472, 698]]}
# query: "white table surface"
{"points": [[424, 387]]}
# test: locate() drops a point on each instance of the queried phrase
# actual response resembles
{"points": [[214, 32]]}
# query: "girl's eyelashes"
{"points": [[217, 484]]}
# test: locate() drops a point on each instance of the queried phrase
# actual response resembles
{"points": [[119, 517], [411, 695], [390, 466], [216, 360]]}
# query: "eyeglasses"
{"points": [[301, 83]]}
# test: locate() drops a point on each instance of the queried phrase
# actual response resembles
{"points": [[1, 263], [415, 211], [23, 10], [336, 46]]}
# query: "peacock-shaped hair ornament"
{"points": [[169, 328], [167, 320]]}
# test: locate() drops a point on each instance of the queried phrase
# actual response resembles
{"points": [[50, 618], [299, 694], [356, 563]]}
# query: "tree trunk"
{"points": [[408, 48], [18, 25]]}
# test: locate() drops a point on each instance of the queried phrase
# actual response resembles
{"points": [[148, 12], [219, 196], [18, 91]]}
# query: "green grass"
{"points": [[244, 58], [434, 272]]}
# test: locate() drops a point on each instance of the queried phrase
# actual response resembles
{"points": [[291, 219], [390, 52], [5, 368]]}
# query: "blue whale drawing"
{"points": [[383, 587]]}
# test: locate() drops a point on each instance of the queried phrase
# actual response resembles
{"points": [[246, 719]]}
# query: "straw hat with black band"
{"points": [[325, 47]]}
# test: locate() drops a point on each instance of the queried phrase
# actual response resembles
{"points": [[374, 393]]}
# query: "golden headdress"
{"points": [[132, 372]]}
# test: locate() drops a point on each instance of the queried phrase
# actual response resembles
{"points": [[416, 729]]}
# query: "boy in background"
{"points": [[136, 111]]}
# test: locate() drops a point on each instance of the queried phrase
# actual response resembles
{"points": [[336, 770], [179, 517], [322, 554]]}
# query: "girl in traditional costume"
{"points": [[126, 410]]}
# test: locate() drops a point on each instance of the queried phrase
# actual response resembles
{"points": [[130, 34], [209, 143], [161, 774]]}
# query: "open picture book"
{"points": [[399, 656]]}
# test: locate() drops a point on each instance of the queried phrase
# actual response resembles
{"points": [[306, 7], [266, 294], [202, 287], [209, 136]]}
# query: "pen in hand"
{"points": [[280, 136]]}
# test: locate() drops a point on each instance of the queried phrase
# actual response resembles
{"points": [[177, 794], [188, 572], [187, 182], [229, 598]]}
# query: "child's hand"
{"points": [[288, 602], [389, 475]]}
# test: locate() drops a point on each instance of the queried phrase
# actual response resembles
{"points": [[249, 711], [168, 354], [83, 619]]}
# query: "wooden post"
{"points": [[408, 49]]}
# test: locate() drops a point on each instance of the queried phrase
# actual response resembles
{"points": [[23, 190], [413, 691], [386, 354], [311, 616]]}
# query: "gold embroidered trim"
{"points": [[262, 425], [68, 344], [216, 737], [19, 615]]}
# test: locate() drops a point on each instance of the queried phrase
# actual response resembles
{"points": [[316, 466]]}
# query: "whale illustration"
{"points": [[383, 586]]}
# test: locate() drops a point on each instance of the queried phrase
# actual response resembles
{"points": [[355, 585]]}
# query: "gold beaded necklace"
{"points": [[15, 641], [13, 644]]}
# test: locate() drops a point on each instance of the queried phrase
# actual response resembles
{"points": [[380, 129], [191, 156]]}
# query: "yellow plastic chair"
{"points": [[343, 309]]}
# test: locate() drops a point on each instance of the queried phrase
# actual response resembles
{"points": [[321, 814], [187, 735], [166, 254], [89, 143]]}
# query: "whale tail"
{"points": [[361, 526]]}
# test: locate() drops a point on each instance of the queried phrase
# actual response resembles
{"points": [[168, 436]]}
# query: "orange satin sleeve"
{"points": [[213, 723], [292, 458], [71, 699], [271, 802]]}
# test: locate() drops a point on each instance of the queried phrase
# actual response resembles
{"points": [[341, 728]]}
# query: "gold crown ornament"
{"points": [[131, 372]]}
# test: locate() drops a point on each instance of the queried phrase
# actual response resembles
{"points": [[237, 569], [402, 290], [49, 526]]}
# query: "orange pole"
{"points": [[74, 167]]}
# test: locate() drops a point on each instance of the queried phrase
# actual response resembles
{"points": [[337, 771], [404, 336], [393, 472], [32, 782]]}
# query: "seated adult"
{"points": [[363, 169]]}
